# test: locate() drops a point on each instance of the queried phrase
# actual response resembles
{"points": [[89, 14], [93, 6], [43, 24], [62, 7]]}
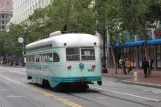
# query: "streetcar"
{"points": [[64, 59]]}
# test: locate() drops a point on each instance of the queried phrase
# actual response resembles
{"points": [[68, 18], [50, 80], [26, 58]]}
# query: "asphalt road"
{"points": [[15, 91]]}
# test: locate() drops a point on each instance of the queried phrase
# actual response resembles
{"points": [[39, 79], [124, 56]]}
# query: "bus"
{"points": [[64, 59]]}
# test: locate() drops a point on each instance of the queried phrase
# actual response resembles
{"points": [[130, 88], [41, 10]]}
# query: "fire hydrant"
{"points": [[135, 76]]}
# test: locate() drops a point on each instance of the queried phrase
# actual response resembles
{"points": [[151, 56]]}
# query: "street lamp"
{"points": [[21, 40]]}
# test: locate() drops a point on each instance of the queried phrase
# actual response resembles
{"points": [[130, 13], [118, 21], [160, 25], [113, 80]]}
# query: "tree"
{"points": [[134, 18], [78, 16], [9, 41], [108, 20]]}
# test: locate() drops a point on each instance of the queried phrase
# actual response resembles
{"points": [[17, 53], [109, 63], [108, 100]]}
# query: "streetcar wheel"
{"points": [[46, 84], [58, 88], [99, 82]]}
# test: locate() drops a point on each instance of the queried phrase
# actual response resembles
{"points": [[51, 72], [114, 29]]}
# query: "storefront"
{"points": [[135, 51]]}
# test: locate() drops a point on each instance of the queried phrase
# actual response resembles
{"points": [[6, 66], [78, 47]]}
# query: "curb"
{"points": [[141, 84], [13, 66], [110, 75]]}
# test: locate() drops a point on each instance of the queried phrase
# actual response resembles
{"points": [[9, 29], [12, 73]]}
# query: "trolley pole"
{"points": [[67, 17]]}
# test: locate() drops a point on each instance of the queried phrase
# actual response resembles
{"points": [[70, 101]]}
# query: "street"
{"points": [[15, 91]]}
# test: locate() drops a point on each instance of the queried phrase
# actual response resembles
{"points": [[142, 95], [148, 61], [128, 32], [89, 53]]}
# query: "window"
{"points": [[37, 58], [72, 54], [2, 16], [27, 58], [87, 54], [2, 21], [50, 45], [45, 57], [55, 57], [50, 59], [2, 27]]}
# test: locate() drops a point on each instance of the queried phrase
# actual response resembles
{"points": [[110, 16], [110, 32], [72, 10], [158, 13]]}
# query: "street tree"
{"points": [[107, 16], [77, 15], [134, 18]]}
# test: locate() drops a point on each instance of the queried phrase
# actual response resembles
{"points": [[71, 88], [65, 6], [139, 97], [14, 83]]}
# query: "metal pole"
{"points": [[23, 52], [104, 52], [24, 46], [104, 43], [67, 17]]}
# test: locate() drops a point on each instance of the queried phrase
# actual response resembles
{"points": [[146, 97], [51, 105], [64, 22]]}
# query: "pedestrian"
{"points": [[128, 65], [151, 61], [123, 66], [145, 66], [120, 63], [149, 69]]}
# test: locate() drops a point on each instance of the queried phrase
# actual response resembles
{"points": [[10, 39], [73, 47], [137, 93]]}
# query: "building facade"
{"points": [[22, 9], [5, 13], [134, 49]]}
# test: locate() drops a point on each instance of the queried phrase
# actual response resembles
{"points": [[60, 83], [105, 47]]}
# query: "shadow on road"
{"points": [[66, 89]]}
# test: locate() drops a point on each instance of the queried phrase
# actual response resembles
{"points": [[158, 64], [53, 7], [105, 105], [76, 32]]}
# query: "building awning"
{"points": [[108, 45], [136, 43], [154, 41]]}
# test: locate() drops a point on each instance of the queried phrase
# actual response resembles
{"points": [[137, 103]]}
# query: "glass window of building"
{"points": [[2, 21], [132, 55], [159, 56], [141, 55], [2, 16], [3, 27]]}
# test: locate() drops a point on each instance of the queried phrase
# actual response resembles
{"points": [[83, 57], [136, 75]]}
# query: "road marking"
{"points": [[43, 92], [13, 96], [101, 97], [1, 104], [146, 90], [153, 91], [125, 94], [23, 73], [4, 89]]}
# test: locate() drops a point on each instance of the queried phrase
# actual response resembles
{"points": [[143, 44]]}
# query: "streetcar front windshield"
{"points": [[77, 54]]}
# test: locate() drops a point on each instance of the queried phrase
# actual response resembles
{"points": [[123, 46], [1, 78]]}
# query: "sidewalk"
{"points": [[15, 66], [153, 81]]}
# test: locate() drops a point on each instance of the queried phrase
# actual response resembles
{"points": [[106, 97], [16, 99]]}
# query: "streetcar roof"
{"points": [[71, 40]]}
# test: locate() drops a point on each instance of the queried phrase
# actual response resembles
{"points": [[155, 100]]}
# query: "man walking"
{"points": [[151, 61], [145, 66]]}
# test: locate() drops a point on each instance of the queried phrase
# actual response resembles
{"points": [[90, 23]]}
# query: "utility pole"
{"points": [[104, 70]]}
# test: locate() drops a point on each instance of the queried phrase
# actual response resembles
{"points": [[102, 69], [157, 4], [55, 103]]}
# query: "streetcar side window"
{"points": [[88, 54], [55, 57], [51, 59], [72, 54]]}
